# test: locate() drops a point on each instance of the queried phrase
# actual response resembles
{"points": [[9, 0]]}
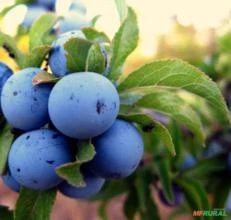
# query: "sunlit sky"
{"points": [[154, 16]]}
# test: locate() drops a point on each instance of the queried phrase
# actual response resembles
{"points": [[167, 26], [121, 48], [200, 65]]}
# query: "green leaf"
{"points": [[76, 53], [44, 77], [221, 194], [102, 210], [92, 34], [167, 103], [179, 75], [34, 205], [124, 42], [86, 151], [149, 124], [6, 139], [122, 9], [131, 204], [96, 61], [71, 171], [177, 139], [195, 195], [147, 207], [94, 20], [163, 168], [5, 213], [37, 56], [9, 44], [24, 1], [112, 189], [41, 29]]}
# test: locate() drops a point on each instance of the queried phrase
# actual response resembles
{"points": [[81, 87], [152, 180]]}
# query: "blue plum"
{"points": [[49, 4], [93, 186], [57, 58], [10, 182], [213, 149], [5, 73], [25, 106], [34, 156], [188, 162], [83, 105], [73, 22], [33, 13], [178, 197], [118, 151]]}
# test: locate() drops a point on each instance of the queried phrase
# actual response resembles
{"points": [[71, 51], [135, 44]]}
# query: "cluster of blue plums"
{"points": [[49, 117], [75, 18]]}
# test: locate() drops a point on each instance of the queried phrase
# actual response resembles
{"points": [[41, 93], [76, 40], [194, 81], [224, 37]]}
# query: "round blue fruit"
{"points": [[57, 58], [83, 105], [118, 151], [35, 155], [188, 162], [25, 106], [5, 73], [33, 13], [93, 185], [177, 194], [10, 182], [213, 149], [49, 4]]}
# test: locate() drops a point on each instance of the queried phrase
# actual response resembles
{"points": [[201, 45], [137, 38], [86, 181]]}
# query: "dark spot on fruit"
{"points": [[81, 86], [15, 93], [43, 138], [100, 105], [54, 136], [35, 99], [18, 170], [72, 96], [35, 181], [148, 127], [28, 137], [50, 161], [114, 104]]}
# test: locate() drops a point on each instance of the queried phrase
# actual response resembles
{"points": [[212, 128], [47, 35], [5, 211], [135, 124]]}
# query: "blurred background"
{"points": [[198, 31]]}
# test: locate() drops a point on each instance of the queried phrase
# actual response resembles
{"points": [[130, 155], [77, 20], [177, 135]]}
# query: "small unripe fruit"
{"points": [[34, 157], [83, 105], [25, 106], [118, 151]]}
